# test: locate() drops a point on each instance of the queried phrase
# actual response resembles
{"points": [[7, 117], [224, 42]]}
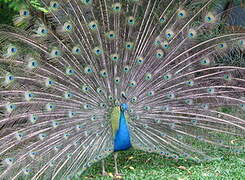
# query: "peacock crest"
{"points": [[79, 79]]}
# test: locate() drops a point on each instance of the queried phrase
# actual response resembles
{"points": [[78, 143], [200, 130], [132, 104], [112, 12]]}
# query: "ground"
{"points": [[138, 165]]}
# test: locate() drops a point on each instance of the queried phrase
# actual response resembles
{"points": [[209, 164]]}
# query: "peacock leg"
{"points": [[115, 161], [104, 173]]}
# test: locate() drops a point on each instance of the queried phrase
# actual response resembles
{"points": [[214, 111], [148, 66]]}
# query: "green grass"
{"points": [[138, 165]]}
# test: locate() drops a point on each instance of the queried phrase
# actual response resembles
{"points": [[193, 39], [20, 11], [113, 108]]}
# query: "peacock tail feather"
{"points": [[64, 74]]}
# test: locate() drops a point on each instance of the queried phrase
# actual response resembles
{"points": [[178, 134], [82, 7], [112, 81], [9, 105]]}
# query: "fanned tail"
{"points": [[61, 78]]}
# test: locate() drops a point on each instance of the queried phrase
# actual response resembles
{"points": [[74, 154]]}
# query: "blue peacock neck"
{"points": [[122, 137]]}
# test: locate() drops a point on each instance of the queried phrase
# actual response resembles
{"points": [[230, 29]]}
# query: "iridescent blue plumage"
{"points": [[122, 137]]}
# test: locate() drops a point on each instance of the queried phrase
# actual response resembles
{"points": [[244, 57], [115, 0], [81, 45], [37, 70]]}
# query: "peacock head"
{"points": [[124, 107]]}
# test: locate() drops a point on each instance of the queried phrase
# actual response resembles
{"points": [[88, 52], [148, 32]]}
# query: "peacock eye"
{"points": [[111, 35], [115, 57], [151, 93], [129, 45], [134, 99], [100, 91], [148, 76], [24, 13], [117, 80], [76, 50], [68, 27], [139, 60], [97, 51], [55, 53], [87, 2], [104, 73], [131, 20], [132, 83], [162, 20], [93, 25], [88, 69], [70, 71], [54, 5], [117, 7], [159, 54]]}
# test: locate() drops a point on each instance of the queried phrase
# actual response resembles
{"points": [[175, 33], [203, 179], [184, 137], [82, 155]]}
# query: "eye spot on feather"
{"points": [[132, 83], [139, 60], [103, 73], [181, 13], [190, 83], [167, 77], [103, 105], [148, 76], [169, 34], [242, 106], [49, 82], [166, 108], [93, 25], [170, 96], [42, 31], [55, 53], [33, 118], [162, 20], [192, 33], [42, 136], [87, 2], [205, 61], [126, 69], [55, 124], [129, 45], [241, 43], [50, 107], [9, 78], [87, 107], [110, 98], [70, 71], [11, 51], [68, 95], [100, 91], [210, 18], [76, 50], [188, 101], [85, 88], [194, 122], [227, 77], [159, 54], [221, 46], [133, 99], [32, 64], [147, 108], [24, 13], [88, 70], [205, 106], [67, 27], [9, 161], [26, 171], [54, 5], [117, 80], [165, 45], [28, 96], [10, 107], [111, 35], [117, 7], [19, 136], [131, 20], [71, 114], [115, 57], [98, 51], [211, 90], [150, 93]]}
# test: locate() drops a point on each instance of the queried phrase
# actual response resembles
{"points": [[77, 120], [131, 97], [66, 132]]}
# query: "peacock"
{"points": [[81, 79]]}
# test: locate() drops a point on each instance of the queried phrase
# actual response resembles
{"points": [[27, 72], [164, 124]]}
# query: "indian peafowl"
{"points": [[81, 79]]}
